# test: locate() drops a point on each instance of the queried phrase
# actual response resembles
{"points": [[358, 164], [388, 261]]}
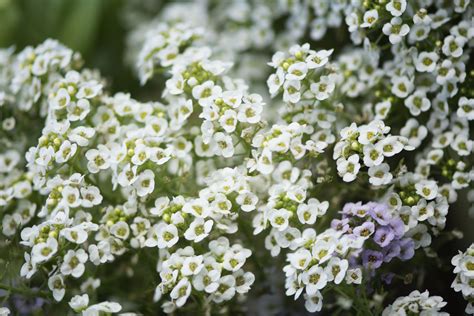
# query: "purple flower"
{"points": [[388, 277], [364, 230], [341, 225], [383, 236], [380, 213], [392, 251], [350, 208], [361, 210], [372, 259], [398, 227], [407, 250], [27, 306]]}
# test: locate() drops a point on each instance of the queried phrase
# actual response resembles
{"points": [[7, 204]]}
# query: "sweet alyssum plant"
{"points": [[194, 197]]}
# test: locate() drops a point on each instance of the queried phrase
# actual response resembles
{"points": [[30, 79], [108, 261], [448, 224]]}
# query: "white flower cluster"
{"points": [[421, 205], [320, 259], [14, 185], [218, 273], [162, 45], [368, 144], [36, 69], [80, 304], [302, 73], [287, 208], [416, 303], [464, 282], [93, 144], [282, 142]]}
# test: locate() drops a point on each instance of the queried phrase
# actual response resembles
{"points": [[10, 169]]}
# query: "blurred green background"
{"points": [[95, 28]]}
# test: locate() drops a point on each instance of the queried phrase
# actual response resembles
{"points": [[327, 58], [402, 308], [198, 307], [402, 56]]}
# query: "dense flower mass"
{"points": [[416, 303], [464, 269], [268, 163]]}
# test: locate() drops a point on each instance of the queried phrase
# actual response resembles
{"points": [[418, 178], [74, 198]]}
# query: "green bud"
{"points": [[410, 200]]}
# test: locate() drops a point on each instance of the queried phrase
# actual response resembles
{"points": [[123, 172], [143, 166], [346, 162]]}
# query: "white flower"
{"points": [[81, 135], [466, 108], [141, 154], [100, 253], [402, 86], [389, 146], [453, 46], [247, 201], [198, 230], [462, 145], [426, 61], [243, 281], [120, 230], [228, 121], [421, 16], [167, 235], [71, 196], [207, 280], [370, 18], [300, 259], [414, 132], [98, 159], [380, 175], [250, 111], [75, 234], [336, 269], [65, 152], [323, 89], [103, 307], [226, 289], [90, 196], [196, 207], [207, 92], [373, 155], [396, 7], [192, 265], [291, 93], [314, 279], [313, 303], [145, 183], [395, 30], [78, 111], [181, 292], [44, 251], [56, 284], [279, 218], [73, 263], [354, 276], [318, 59], [79, 302], [306, 215], [427, 189], [348, 168], [225, 146], [10, 224], [28, 268], [423, 210], [90, 284], [297, 71], [275, 81]]}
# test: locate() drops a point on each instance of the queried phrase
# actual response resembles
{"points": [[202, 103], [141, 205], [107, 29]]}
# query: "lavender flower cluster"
{"points": [[381, 230]]}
